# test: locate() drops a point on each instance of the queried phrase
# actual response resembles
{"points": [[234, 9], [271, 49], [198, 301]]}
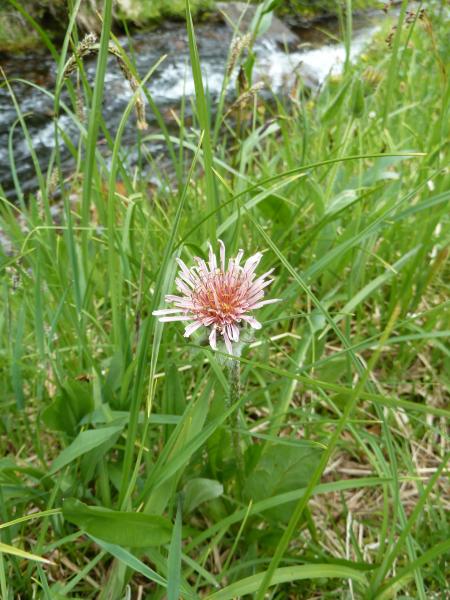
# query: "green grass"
{"points": [[117, 434]]}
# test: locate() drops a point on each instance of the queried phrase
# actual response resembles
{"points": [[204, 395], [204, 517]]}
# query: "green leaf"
{"points": [[398, 581], [285, 575], [281, 469], [132, 529], [336, 102], [131, 561], [84, 442], [16, 363], [200, 490], [74, 402], [382, 169], [174, 398], [174, 559], [357, 98], [270, 5], [341, 201], [183, 442], [40, 515], [203, 118]]}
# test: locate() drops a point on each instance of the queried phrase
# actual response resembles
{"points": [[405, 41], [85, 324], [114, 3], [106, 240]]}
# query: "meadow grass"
{"points": [[118, 474]]}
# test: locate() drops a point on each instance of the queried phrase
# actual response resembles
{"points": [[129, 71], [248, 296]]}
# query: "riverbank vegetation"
{"points": [[16, 34], [132, 465]]}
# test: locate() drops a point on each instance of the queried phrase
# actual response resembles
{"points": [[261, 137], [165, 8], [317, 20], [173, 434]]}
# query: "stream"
{"points": [[313, 54]]}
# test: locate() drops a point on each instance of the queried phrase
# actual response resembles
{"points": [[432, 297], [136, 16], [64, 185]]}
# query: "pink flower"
{"points": [[218, 297]]}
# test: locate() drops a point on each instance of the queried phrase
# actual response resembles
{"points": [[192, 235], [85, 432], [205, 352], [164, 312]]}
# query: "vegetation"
{"points": [[16, 34], [120, 474]]}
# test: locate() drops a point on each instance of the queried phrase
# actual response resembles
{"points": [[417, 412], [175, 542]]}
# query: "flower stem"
{"points": [[234, 395]]}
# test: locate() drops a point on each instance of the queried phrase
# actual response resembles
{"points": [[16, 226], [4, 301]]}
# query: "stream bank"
{"points": [[17, 34], [283, 55]]}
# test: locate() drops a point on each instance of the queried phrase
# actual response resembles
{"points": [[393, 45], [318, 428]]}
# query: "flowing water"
{"points": [[314, 55]]}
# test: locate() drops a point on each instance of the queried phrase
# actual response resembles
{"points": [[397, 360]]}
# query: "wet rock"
{"points": [[241, 15]]}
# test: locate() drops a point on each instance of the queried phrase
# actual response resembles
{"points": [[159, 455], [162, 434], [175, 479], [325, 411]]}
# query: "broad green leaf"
{"points": [[132, 529], [84, 442], [281, 469], [197, 491]]}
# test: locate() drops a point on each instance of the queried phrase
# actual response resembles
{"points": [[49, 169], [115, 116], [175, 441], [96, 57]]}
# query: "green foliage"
{"points": [[281, 468], [85, 442], [143, 12], [313, 8], [73, 401], [118, 527], [199, 490]]}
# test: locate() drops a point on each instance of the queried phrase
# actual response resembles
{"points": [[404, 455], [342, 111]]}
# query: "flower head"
{"points": [[217, 296]]}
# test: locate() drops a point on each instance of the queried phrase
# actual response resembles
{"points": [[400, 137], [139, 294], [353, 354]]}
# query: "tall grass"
{"points": [[117, 476]]}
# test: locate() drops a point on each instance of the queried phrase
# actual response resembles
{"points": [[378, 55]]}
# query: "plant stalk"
{"points": [[234, 395]]}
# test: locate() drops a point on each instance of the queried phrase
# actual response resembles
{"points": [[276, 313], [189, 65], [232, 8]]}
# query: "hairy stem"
{"points": [[234, 395]]}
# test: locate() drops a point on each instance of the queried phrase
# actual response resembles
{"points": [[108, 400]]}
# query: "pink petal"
{"points": [[208, 321], [228, 345], [251, 321], [252, 262], [202, 268], [254, 297], [191, 328], [172, 298], [186, 272], [264, 302], [166, 311], [191, 281], [260, 280], [177, 318], [182, 287], [235, 332], [212, 259], [185, 304], [222, 254], [213, 338], [238, 258]]}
